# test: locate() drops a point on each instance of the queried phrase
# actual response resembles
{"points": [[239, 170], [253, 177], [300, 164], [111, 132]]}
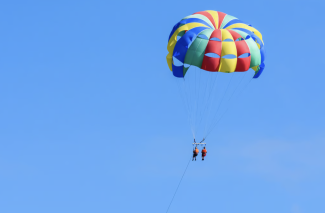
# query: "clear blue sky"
{"points": [[91, 120]]}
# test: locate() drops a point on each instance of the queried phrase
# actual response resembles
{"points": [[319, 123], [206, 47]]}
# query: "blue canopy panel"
{"points": [[181, 48], [187, 21], [196, 20], [259, 72], [234, 21], [173, 30]]}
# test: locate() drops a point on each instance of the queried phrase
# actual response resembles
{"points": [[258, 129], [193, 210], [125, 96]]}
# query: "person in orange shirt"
{"points": [[204, 153], [195, 153]]}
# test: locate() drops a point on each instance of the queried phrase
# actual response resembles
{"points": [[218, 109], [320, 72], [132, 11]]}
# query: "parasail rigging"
{"points": [[213, 57]]}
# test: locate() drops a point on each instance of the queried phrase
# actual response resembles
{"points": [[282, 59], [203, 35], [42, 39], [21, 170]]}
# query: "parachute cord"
{"points": [[205, 93], [190, 96], [206, 130], [208, 104], [211, 100], [229, 101], [190, 116], [213, 124], [188, 91], [186, 105], [178, 185], [188, 101], [197, 99]]}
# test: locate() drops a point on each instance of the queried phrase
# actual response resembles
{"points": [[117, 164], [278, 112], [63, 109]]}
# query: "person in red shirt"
{"points": [[195, 153], [204, 153]]}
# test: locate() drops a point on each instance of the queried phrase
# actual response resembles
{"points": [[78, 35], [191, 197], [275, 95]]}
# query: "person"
{"points": [[195, 153], [204, 153]]}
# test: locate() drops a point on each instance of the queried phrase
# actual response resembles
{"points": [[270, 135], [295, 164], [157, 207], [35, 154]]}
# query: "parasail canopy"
{"points": [[215, 42]]}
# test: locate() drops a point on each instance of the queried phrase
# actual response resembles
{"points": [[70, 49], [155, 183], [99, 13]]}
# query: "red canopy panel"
{"points": [[221, 17], [241, 47], [209, 63], [208, 15], [242, 63], [235, 35], [216, 34]]}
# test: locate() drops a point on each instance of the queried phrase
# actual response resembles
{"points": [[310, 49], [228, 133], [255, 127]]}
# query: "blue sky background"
{"points": [[91, 120]]}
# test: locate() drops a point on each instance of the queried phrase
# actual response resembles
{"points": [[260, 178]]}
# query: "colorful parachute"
{"points": [[216, 42], [219, 43]]}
